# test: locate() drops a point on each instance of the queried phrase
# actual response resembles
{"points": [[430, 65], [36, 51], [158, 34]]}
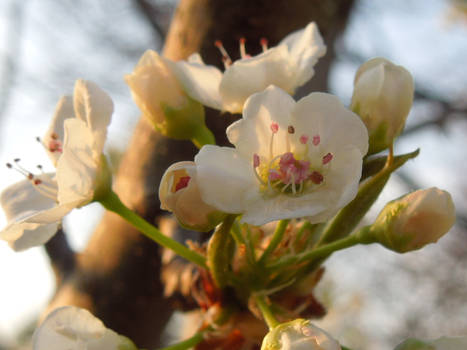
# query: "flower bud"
{"points": [[382, 96], [443, 343], [163, 101], [179, 193], [298, 334], [414, 220]]}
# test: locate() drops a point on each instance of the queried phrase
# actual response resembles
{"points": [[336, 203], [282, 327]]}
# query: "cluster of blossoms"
{"points": [[290, 159]]}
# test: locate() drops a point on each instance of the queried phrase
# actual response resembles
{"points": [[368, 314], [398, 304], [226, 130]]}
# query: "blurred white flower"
{"points": [[179, 193], [74, 142], [72, 328], [290, 159], [414, 220], [298, 334], [287, 65], [383, 95]]}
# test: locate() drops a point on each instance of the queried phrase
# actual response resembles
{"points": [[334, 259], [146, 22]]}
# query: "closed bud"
{"points": [[298, 334], [163, 101], [443, 343], [382, 96], [414, 220], [179, 193]]}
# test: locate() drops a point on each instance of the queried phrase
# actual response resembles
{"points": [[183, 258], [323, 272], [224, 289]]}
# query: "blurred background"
{"points": [[375, 298]]}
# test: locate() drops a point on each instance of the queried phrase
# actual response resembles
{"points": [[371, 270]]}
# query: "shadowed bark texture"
{"points": [[117, 276]]}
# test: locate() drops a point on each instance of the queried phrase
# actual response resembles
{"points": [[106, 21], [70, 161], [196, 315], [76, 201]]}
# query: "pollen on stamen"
{"points": [[327, 158], [182, 183], [304, 139], [37, 182], [316, 140], [316, 177], [255, 160], [274, 127], [264, 43], [291, 129]]}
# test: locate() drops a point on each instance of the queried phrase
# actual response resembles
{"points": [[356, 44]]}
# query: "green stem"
{"points": [[322, 251], [113, 203], [188, 343], [276, 239], [220, 251], [266, 311], [203, 136]]}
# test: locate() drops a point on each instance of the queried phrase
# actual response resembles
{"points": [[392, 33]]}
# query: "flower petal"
{"points": [[77, 167], [200, 81], [53, 138], [252, 134], [21, 203], [305, 47], [250, 75], [224, 178], [73, 328], [336, 125], [94, 107]]}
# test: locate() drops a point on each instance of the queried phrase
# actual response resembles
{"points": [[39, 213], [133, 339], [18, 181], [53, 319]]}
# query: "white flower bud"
{"points": [[73, 328], [414, 220], [162, 99], [382, 96], [179, 193], [298, 334]]}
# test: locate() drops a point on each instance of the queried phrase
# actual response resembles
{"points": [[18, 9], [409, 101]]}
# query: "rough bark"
{"points": [[117, 276]]}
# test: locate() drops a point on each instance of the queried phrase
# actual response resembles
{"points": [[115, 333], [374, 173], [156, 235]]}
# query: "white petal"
{"points": [[22, 203], [324, 115], [247, 76], [201, 82], [305, 47], [94, 107], [262, 210], [73, 328], [252, 134], [77, 167], [224, 178], [55, 133]]}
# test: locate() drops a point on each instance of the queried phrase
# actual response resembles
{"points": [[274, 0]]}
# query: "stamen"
{"points": [[304, 139], [274, 127], [45, 185], [264, 43], [291, 129], [225, 56], [327, 158], [182, 183], [255, 160], [316, 140], [243, 53], [316, 177]]}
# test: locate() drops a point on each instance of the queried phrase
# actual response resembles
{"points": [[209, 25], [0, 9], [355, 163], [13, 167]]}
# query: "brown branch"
{"points": [[62, 257]]}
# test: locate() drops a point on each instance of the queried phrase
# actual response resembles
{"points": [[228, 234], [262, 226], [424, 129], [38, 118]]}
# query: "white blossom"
{"points": [[287, 65], [290, 159], [74, 142]]}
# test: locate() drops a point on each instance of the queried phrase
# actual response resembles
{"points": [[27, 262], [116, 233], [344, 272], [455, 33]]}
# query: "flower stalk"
{"points": [[113, 203], [275, 241], [266, 311]]}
